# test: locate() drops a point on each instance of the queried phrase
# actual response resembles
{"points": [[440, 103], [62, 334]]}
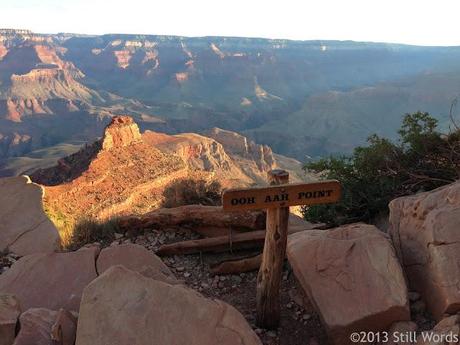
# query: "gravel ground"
{"points": [[299, 325]]}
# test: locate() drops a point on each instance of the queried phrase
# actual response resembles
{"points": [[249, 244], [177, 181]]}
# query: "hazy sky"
{"points": [[403, 21]]}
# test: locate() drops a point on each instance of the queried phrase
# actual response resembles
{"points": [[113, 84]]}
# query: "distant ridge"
{"points": [[301, 98]]}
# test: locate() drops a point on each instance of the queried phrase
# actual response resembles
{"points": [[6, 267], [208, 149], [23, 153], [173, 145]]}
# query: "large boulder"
{"points": [[353, 278], [9, 314], [52, 281], [425, 231], [135, 258], [123, 307], [24, 226], [41, 326]]}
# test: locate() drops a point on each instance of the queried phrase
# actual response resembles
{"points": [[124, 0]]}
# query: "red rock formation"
{"points": [[37, 75], [150, 56], [48, 56], [122, 131], [14, 144], [123, 57], [118, 174], [240, 145], [12, 111], [182, 77], [3, 51]]}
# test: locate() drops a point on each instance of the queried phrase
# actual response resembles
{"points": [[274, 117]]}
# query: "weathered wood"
{"points": [[194, 216], [238, 266], [281, 196], [245, 240], [269, 277], [253, 239]]}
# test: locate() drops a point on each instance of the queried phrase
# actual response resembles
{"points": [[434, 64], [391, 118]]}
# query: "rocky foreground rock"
{"points": [[425, 231], [123, 307], [9, 313], [135, 258], [352, 276], [24, 226], [56, 280], [50, 281], [40, 326]]}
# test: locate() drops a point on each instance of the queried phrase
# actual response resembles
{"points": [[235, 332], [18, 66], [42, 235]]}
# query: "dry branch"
{"points": [[238, 266], [195, 216], [246, 240]]}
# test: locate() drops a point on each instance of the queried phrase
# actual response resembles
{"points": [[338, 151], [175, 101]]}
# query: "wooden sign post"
{"points": [[276, 199]]}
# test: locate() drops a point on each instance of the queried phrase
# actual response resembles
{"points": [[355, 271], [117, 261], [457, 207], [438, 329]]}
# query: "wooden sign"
{"points": [[282, 195], [276, 199]]}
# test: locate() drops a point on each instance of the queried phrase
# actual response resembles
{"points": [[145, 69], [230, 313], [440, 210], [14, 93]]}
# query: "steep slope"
{"points": [[118, 173], [126, 172], [227, 156], [35, 80]]}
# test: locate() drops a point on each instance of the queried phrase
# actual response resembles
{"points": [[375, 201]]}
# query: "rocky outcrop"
{"points": [[240, 145], [199, 153], [122, 131], [24, 226], [14, 144], [36, 77], [118, 174], [230, 157], [9, 314], [3, 51], [424, 229], [135, 258], [126, 173], [121, 307], [353, 278], [41, 326], [50, 281]]}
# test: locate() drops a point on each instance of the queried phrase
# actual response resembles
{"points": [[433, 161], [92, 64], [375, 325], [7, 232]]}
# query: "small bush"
{"points": [[90, 230], [421, 160], [192, 192]]}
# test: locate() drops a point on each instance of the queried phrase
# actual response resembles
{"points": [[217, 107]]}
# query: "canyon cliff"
{"points": [[301, 98], [126, 172]]}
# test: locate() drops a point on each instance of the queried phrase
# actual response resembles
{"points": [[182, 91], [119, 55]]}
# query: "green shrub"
{"points": [[421, 160], [192, 192]]}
